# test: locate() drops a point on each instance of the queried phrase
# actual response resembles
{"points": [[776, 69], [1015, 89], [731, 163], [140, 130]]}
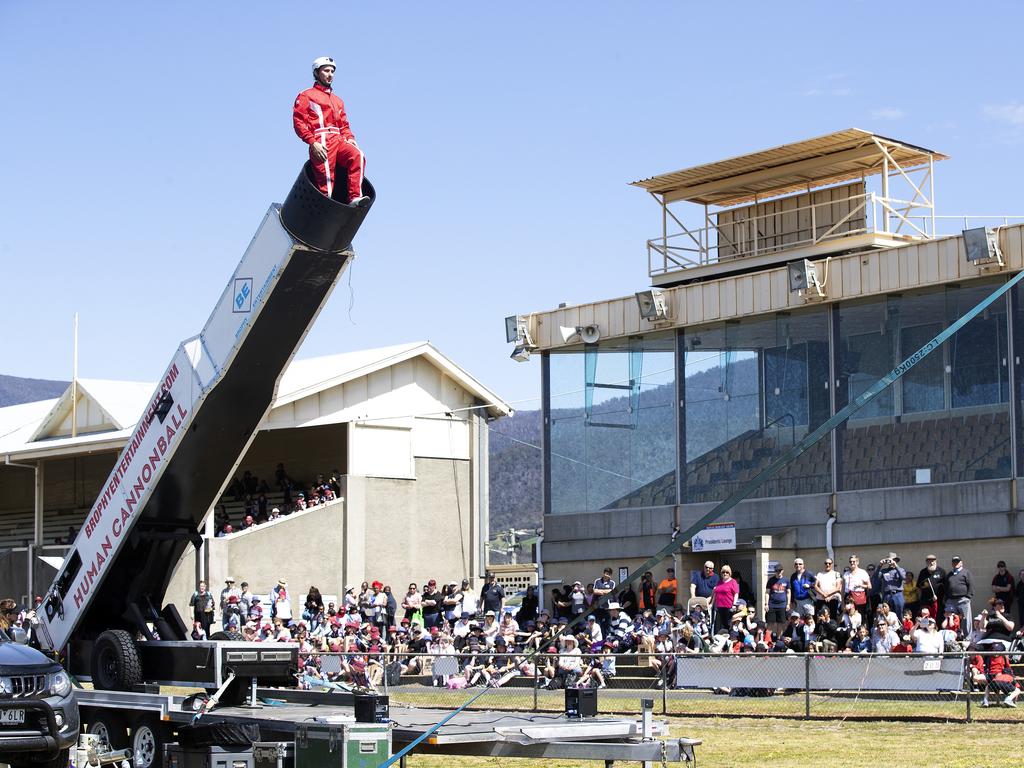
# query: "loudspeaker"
{"points": [[371, 708], [581, 702], [589, 334]]}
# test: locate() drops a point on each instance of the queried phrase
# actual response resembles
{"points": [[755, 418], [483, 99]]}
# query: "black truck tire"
{"points": [[115, 662], [227, 635]]}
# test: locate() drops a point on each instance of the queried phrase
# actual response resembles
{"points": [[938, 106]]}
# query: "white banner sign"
{"points": [[716, 536]]}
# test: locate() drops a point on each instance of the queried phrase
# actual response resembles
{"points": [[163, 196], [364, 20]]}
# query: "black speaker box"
{"points": [[581, 702]]}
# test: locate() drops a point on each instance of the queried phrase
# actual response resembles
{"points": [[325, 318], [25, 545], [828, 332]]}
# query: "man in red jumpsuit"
{"points": [[320, 121]]}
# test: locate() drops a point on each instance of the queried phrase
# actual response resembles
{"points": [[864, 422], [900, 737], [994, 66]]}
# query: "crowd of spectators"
{"points": [[253, 492], [880, 609]]}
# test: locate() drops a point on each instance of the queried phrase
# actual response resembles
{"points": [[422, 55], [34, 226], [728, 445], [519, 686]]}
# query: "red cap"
{"points": [[432, 583], [434, 630]]}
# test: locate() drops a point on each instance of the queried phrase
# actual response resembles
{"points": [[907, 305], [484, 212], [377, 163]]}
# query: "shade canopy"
{"points": [[835, 157]]}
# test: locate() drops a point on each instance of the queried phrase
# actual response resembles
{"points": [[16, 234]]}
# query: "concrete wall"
{"points": [[304, 549], [420, 529]]}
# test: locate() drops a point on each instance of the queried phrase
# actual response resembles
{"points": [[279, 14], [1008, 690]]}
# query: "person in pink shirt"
{"points": [[723, 598]]}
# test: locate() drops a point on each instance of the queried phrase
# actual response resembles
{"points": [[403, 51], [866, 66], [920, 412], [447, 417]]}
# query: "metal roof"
{"points": [[304, 377], [835, 157], [25, 428]]}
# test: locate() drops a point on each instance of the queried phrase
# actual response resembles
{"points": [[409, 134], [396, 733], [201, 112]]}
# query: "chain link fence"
{"points": [[952, 687]]}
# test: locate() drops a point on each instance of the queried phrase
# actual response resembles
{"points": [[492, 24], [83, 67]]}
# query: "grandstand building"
{"points": [[402, 427], [784, 283]]}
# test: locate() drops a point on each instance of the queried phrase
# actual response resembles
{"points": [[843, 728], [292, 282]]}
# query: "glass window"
{"points": [[613, 428], [751, 389], [947, 419], [923, 385]]}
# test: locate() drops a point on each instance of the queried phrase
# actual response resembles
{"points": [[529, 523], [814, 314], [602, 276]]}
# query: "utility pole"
{"points": [[74, 384]]}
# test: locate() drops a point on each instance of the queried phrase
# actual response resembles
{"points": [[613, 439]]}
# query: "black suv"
{"points": [[38, 713]]}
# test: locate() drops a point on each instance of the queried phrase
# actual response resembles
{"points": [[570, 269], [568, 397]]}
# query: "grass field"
{"points": [[700, 703], [739, 743]]}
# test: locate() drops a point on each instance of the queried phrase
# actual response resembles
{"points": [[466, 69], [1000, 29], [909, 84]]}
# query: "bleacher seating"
{"points": [[17, 526], [954, 448], [236, 509]]}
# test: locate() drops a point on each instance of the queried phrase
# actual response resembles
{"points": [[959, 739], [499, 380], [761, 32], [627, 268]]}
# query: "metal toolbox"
{"points": [[342, 745], [273, 754], [176, 756]]}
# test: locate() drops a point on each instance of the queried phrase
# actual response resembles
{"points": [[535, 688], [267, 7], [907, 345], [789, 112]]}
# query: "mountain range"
{"points": [[515, 469], [15, 390]]}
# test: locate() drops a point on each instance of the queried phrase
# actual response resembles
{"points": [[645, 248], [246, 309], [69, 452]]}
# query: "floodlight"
{"points": [[803, 278], [801, 275], [521, 353], [652, 305], [512, 328], [518, 331], [982, 246]]}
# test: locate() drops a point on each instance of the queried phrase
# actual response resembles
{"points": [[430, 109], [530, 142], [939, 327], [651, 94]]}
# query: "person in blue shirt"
{"points": [[860, 642], [704, 581], [890, 581], [801, 584]]}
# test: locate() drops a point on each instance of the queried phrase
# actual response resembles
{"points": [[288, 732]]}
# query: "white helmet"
{"points": [[323, 61]]}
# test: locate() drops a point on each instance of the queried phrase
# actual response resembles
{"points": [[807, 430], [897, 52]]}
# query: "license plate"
{"points": [[12, 716]]}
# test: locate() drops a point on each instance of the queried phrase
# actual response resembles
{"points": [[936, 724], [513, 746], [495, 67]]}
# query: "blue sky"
{"points": [[141, 144]]}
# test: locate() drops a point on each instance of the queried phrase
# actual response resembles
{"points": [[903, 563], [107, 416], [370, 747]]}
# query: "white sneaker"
{"points": [[1009, 702], [984, 702], [360, 202]]}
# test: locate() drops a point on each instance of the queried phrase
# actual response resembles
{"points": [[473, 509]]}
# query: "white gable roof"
{"points": [[314, 374], [104, 406], [43, 427], [18, 422]]}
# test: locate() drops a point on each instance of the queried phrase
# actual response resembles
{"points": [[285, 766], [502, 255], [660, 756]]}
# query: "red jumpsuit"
{"points": [[319, 115]]}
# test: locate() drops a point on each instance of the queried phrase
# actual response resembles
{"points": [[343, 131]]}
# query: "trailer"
{"points": [[148, 722], [105, 613]]}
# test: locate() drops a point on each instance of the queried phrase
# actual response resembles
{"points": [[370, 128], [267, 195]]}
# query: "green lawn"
{"points": [[700, 704], [762, 743]]}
